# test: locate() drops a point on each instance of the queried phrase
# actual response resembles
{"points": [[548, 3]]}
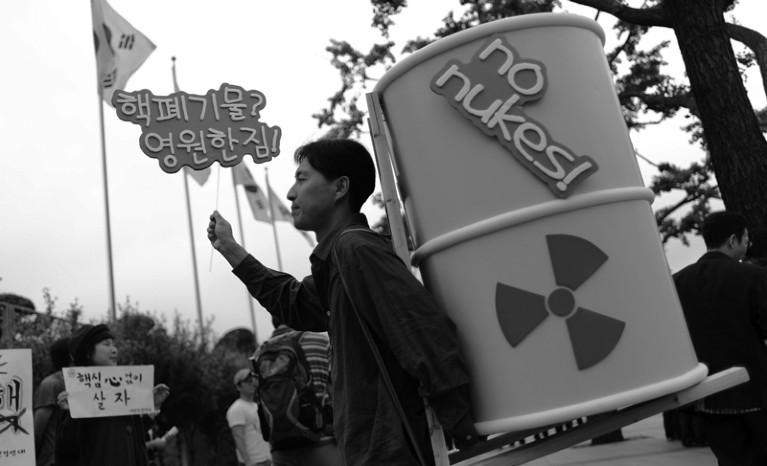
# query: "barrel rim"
{"points": [[516, 23]]}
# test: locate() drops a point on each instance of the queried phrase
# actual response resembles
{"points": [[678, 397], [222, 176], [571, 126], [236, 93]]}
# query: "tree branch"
{"points": [[754, 41], [653, 16]]}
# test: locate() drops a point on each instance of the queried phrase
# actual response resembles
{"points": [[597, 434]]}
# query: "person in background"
{"points": [[242, 416], [101, 441], [157, 440], [725, 305], [46, 407], [358, 285], [316, 348], [757, 252]]}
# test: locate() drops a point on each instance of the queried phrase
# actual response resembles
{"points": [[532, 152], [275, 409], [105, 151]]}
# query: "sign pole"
{"points": [[242, 238]]}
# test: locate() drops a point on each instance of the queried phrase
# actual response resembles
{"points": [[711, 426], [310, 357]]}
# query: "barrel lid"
{"points": [[535, 20]]}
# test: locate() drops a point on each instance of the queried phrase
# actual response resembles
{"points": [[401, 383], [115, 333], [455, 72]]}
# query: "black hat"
{"points": [[83, 341]]}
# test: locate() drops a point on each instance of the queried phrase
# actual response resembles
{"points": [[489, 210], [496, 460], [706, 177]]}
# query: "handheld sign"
{"points": [[17, 436], [192, 130], [102, 391]]}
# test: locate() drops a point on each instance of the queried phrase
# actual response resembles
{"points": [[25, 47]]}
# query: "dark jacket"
{"points": [[725, 305], [417, 341], [113, 441]]}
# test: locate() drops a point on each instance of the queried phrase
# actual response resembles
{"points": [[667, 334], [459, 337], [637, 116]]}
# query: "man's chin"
{"points": [[300, 225]]}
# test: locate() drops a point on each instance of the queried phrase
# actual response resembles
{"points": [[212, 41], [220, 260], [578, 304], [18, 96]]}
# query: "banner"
{"points": [[102, 391], [17, 435]]}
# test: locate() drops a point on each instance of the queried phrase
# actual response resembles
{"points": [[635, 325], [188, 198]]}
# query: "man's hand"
{"points": [[222, 239], [156, 444], [63, 401], [219, 231], [161, 392]]}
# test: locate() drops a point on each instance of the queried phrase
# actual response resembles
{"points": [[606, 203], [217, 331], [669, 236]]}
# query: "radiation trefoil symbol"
{"points": [[592, 335]]}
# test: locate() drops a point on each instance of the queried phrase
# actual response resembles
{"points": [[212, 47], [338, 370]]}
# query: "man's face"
{"points": [[247, 386], [105, 353], [312, 198], [741, 246]]}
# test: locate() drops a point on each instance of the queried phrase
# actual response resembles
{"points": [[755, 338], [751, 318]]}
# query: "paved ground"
{"points": [[645, 445]]}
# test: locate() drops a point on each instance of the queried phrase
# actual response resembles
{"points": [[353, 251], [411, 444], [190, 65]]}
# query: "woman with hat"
{"points": [[115, 440]]}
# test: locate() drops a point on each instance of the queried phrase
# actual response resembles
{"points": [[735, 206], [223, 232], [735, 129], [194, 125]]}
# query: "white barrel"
{"points": [[531, 223]]}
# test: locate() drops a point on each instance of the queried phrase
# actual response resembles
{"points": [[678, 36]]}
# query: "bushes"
{"points": [[200, 378]]}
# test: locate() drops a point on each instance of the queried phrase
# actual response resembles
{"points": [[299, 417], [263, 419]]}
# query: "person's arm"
{"points": [[295, 303], [156, 444], [42, 415], [222, 239], [44, 403], [238, 432]]}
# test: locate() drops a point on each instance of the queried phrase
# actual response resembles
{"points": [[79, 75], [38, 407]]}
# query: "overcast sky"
{"points": [[52, 232]]}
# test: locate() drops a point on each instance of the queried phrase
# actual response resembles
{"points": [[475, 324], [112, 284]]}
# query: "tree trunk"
{"points": [[738, 149]]}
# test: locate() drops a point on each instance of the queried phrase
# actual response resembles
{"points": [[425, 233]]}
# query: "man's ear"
{"points": [[342, 186]]}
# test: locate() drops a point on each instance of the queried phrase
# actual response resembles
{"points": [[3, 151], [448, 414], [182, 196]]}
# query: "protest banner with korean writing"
{"points": [[102, 391], [192, 130], [17, 439]]}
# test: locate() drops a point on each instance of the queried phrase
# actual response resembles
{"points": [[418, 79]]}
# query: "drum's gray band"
{"points": [[527, 214]]}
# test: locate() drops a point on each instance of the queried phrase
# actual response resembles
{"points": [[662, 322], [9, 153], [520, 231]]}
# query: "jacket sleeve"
{"points": [[759, 300], [68, 437], [295, 303]]}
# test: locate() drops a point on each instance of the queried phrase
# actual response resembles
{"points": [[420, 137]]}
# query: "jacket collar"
{"points": [[714, 255], [322, 250]]}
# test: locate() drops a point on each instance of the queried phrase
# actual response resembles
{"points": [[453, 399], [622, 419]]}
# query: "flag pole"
{"points": [[191, 229], [242, 239], [271, 215], [112, 302]]}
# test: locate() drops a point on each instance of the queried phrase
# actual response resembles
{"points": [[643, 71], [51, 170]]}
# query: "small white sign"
{"points": [[17, 435], [102, 391]]}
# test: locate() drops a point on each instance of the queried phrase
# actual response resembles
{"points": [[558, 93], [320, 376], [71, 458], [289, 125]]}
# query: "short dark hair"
{"points": [[719, 226], [59, 352], [335, 158]]}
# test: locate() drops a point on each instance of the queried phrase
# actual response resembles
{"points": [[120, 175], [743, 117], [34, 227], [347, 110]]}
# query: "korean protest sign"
{"points": [[192, 130], [102, 391], [17, 439]]}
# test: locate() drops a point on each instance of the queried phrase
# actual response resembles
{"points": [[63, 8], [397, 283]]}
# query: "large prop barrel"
{"points": [[531, 223]]}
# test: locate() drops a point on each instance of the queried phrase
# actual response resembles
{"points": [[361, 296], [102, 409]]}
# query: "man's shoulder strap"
{"points": [[352, 230]]}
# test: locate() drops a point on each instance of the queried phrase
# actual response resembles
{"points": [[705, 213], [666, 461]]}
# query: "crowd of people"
{"points": [[375, 344], [62, 440]]}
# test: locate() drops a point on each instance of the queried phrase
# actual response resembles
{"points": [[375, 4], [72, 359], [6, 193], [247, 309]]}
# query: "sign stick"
{"points": [[218, 185]]}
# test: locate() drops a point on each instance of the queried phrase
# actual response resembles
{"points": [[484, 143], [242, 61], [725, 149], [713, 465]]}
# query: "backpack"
{"points": [[291, 415]]}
